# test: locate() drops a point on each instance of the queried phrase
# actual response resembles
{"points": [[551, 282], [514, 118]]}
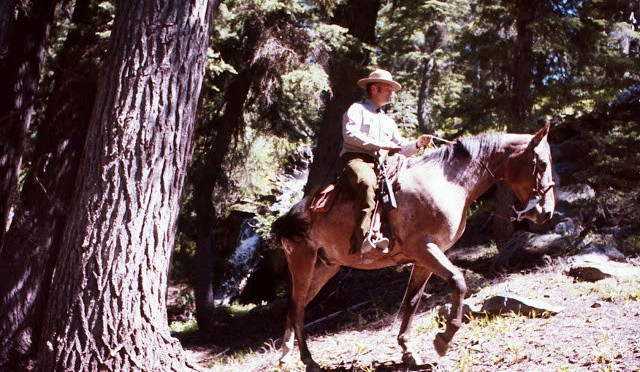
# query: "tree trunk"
{"points": [[360, 17], [424, 119], [107, 309], [523, 62], [32, 243], [7, 9], [502, 228], [206, 253], [19, 73]]}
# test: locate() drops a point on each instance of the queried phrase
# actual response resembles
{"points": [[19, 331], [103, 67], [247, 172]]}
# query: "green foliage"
{"points": [[630, 245], [302, 95], [616, 159], [189, 326], [582, 55], [184, 251]]}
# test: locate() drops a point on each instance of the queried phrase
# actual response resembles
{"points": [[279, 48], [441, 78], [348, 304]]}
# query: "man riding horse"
{"points": [[369, 135], [431, 215]]}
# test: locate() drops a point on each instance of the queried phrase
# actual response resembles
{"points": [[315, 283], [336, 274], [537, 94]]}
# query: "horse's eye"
{"points": [[543, 166]]}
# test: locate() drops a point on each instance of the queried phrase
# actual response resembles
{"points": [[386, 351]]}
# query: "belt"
{"points": [[348, 156]]}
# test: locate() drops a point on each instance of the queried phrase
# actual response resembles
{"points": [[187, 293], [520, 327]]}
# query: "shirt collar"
{"points": [[372, 107]]}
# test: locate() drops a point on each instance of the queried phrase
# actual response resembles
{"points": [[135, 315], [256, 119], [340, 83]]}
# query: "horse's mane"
{"points": [[466, 148]]}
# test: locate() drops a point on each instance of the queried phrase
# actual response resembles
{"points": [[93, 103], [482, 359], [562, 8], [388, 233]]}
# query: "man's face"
{"points": [[382, 93]]}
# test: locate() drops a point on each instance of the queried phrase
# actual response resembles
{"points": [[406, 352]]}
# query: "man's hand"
{"points": [[424, 141]]}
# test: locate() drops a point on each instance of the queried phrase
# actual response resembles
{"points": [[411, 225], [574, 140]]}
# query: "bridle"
{"points": [[538, 192]]}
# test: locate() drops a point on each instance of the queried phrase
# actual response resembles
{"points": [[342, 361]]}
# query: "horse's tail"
{"points": [[293, 225]]}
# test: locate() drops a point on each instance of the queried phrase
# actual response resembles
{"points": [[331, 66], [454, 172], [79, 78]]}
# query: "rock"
{"points": [[566, 227], [595, 249], [547, 243], [589, 273], [592, 271], [519, 305], [574, 193], [468, 311]]}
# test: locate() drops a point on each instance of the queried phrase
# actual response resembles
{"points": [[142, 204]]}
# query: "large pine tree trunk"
{"points": [[107, 309], [523, 61], [32, 243], [209, 176], [23, 41], [424, 118], [360, 17]]}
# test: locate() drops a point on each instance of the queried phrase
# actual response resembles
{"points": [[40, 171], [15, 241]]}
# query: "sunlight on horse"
{"points": [[437, 190]]}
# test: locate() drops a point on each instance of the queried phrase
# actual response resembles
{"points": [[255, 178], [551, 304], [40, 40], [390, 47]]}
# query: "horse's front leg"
{"points": [[300, 259], [415, 289], [435, 260], [307, 278]]}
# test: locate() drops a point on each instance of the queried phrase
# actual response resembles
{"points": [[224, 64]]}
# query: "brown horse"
{"points": [[437, 189]]}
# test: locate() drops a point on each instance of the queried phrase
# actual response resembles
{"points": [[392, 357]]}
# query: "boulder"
{"points": [[597, 252], [575, 193], [593, 271], [520, 305], [503, 304], [468, 311]]}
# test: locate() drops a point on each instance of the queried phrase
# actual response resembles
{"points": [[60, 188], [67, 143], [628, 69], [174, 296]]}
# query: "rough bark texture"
{"points": [[523, 61], [24, 44], [32, 243], [424, 119], [360, 17], [107, 307]]}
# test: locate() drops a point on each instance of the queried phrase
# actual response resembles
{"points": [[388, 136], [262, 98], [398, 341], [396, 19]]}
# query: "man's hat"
{"points": [[379, 76]]}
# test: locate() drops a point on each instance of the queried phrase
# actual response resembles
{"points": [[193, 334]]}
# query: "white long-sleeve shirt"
{"points": [[365, 129]]}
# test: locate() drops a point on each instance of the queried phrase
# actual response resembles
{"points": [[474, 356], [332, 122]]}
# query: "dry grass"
{"points": [[597, 331]]}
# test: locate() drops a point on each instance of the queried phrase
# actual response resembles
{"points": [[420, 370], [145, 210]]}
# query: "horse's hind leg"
{"points": [[307, 278], [435, 260], [415, 289]]}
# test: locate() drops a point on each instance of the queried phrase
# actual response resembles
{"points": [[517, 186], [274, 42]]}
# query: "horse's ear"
{"points": [[541, 134]]}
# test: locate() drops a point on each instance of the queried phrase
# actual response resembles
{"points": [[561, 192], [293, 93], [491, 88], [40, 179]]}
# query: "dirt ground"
{"points": [[353, 325]]}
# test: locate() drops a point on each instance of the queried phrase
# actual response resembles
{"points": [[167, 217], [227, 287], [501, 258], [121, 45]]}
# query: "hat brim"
{"points": [[395, 86]]}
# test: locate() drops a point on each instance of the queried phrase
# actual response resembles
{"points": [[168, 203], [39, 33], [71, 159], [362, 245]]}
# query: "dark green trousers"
{"points": [[361, 176]]}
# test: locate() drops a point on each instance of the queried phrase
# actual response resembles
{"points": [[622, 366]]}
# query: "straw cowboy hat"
{"points": [[379, 76]]}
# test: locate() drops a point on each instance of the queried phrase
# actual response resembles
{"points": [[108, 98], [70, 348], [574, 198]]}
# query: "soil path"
{"points": [[598, 330]]}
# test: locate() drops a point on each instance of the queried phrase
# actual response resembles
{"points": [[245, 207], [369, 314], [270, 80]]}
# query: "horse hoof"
{"points": [[410, 360], [284, 361], [313, 367], [440, 344]]}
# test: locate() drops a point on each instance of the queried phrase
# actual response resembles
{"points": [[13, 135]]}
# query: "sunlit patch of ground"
{"points": [[596, 331]]}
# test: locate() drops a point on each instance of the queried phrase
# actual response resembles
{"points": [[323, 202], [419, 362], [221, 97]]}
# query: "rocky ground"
{"points": [[354, 322]]}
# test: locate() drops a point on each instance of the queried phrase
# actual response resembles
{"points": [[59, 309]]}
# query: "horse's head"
{"points": [[531, 179]]}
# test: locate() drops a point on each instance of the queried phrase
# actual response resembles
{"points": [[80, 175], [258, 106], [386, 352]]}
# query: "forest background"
{"points": [[131, 132]]}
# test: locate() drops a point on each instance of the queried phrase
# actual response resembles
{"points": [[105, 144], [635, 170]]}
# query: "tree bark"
{"points": [[360, 17], [502, 228], [32, 243], [19, 73], [424, 119], [107, 309], [523, 61], [209, 176]]}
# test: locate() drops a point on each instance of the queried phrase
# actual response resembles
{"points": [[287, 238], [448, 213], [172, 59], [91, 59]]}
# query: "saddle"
{"points": [[322, 197]]}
